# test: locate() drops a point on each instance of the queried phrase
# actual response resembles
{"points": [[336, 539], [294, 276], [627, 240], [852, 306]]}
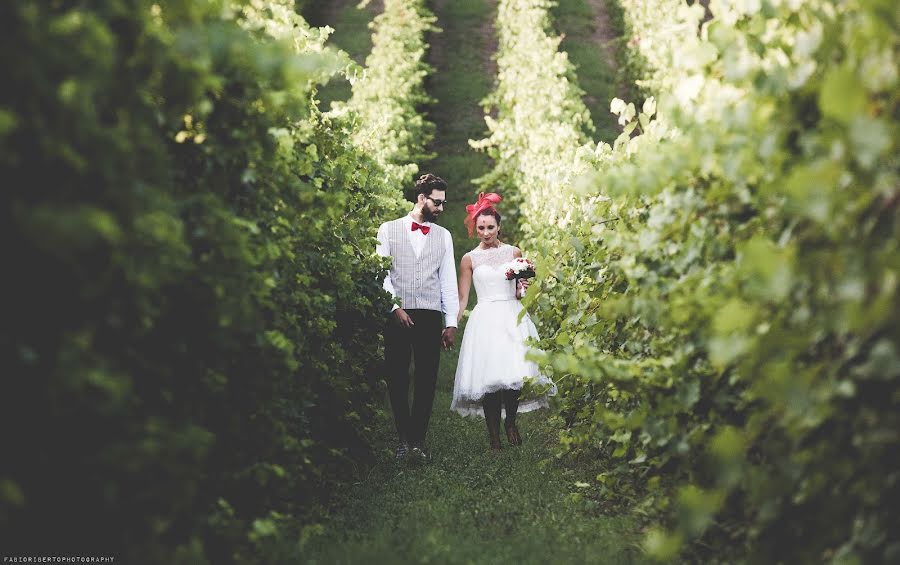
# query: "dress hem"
{"points": [[478, 411]]}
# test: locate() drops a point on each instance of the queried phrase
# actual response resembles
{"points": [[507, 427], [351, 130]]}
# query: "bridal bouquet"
{"points": [[519, 268]]}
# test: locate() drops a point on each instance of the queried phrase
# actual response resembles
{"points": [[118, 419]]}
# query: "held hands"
{"points": [[401, 318], [448, 338]]}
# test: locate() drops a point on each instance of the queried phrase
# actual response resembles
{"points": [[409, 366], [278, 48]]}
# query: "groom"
{"points": [[422, 277]]}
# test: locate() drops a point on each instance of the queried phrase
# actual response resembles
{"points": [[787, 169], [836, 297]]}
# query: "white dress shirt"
{"points": [[446, 272]]}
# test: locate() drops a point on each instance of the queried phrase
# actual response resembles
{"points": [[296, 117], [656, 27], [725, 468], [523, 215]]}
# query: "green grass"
{"points": [[575, 19], [469, 505], [459, 84]]}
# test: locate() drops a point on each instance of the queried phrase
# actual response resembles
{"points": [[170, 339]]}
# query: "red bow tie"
{"points": [[417, 226]]}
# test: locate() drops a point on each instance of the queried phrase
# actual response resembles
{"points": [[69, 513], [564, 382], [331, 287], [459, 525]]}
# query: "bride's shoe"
{"points": [[491, 405], [494, 436], [512, 435]]}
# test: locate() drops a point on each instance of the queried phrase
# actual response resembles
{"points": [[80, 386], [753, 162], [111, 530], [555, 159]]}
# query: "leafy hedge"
{"points": [[534, 140], [389, 94], [192, 292], [719, 293]]}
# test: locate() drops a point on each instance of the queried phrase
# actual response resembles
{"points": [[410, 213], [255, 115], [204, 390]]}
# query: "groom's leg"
{"points": [[427, 351], [397, 353]]}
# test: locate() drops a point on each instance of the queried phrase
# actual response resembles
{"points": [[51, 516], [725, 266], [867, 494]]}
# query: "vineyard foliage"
{"points": [[192, 292], [389, 93], [717, 290], [535, 141]]}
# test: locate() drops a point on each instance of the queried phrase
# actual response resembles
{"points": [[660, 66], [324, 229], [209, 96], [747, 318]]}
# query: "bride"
{"points": [[492, 366]]}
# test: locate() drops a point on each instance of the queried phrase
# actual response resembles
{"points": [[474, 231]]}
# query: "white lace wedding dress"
{"points": [[492, 355]]}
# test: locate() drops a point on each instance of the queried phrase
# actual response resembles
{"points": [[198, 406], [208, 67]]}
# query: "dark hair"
{"points": [[428, 182], [489, 211]]}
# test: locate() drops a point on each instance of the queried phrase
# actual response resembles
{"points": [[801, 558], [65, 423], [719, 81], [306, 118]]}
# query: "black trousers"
{"points": [[422, 342]]}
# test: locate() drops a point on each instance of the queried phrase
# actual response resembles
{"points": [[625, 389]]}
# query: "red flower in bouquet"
{"points": [[519, 268]]}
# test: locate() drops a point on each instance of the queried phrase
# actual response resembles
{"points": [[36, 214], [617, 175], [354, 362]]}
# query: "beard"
{"points": [[429, 215]]}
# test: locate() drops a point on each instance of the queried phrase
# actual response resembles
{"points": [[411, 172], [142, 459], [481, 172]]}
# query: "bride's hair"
{"points": [[489, 211], [485, 203]]}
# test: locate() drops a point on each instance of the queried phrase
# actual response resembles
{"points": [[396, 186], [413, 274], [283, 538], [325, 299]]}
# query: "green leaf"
{"points": [[842, 96], [661, 545], [768, 271], [696, 508], [735, 316], [871, 138]]}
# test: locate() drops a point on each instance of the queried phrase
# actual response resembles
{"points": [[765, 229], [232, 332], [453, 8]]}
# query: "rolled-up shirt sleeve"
{"points": [[447, 274], [383, 248]]}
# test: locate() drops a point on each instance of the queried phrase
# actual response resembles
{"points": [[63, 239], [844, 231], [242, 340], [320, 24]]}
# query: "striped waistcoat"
{"points": [[415, 279]]}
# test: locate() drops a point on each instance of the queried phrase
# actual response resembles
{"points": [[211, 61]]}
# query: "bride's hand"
{"points": [[521, 286]]}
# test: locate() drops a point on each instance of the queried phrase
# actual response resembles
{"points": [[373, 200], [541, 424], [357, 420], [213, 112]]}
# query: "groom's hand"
{"points": [[402, 318], [448, 338]]}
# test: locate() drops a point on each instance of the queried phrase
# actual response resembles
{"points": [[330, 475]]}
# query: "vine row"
{"points": [[187, 337], [718, 288]]}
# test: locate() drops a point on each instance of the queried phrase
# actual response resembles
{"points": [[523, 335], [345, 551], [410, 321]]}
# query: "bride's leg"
{"points": [[491, 405], [511, 402]]}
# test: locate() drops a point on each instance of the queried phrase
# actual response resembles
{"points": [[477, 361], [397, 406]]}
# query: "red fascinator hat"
{"points": [[485, 202]]}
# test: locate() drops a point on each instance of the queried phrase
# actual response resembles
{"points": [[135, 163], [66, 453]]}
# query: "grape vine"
{"points": [[187, 337], [719, 287]]}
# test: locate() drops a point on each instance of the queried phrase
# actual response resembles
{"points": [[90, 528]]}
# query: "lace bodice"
{"points": [[488, 274]]}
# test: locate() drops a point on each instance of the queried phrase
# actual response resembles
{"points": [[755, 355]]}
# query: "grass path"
{"points": [[463, 76], [351, 34], [471, 506], [591, 30]]}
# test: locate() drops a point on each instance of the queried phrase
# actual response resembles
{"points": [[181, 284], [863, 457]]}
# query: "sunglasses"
{"points": [[436, 202]]}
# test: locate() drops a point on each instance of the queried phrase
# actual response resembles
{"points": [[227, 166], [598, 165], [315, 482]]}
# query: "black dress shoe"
{"points": [[419, 454]]}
